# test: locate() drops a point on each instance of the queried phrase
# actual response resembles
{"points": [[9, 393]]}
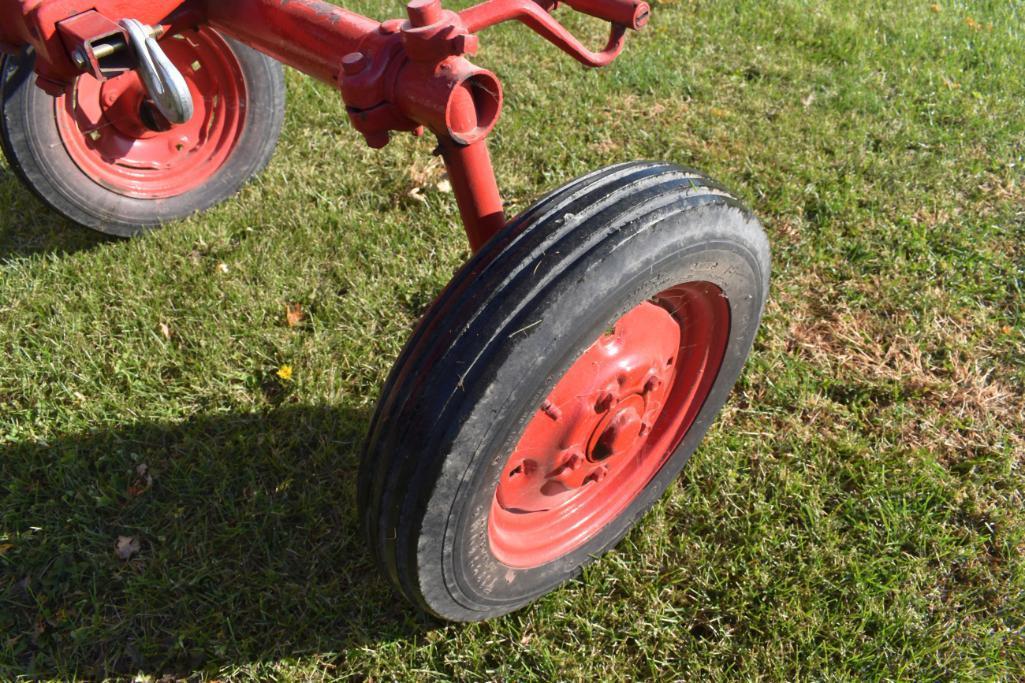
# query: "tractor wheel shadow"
{"points": [[239, 543], [28, 227]]}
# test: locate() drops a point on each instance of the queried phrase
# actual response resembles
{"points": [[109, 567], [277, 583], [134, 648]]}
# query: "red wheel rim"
{"points": [[117, 138], [609, 425]]}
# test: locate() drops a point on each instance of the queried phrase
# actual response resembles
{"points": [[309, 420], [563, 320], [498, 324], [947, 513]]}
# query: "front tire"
{"points": [[558, 386], [102, 156]]}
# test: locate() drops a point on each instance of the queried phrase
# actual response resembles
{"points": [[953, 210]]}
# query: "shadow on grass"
{"points": [[28, 227], [249, 547]]}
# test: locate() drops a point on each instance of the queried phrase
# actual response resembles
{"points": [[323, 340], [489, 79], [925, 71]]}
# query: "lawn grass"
{"points": [[858, 511]]}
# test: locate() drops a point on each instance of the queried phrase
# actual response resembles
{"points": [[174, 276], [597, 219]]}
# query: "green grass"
{"points": [[858, 512]]}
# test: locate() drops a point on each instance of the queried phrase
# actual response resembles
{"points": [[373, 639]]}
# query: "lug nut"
{"points": [[525, 468], [573, 462], [604, 402]]}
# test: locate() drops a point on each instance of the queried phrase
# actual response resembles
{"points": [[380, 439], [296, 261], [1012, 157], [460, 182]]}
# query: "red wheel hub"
{"points": [[609, 425], [118, 138]]}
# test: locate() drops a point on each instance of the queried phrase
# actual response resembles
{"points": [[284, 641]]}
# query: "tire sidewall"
{"points": [[716, 242]]}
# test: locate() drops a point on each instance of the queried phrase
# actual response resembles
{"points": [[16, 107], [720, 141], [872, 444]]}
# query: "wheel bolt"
{"points": [[604, 402], [551, 410], [525, 468], [571, 463]]}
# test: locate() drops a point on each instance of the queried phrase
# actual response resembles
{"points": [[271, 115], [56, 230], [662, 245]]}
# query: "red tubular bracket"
{"points": [[473, 182], [630, 13], [537, 18], [393, 76], [80, 34], [310, 35]]}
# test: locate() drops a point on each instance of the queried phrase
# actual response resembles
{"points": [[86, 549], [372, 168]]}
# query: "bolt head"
{"points": [[604, 401], [424, 12], [466, 44], [653, 383], [353, 63]]}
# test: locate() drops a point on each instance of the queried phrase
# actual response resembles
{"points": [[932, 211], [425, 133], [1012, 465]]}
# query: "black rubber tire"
{"points": [[33, 148], [493, 345]]}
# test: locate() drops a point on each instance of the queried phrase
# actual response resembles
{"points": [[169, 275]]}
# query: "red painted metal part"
{"points": [[35, 23], [122, 143], [82, 31], [473, 182], [310, 35], [394, 75], [537, 17], [609, 425]]}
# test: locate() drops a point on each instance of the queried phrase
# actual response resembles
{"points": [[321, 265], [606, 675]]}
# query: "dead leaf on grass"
{"points": [[142, 481], [294, 314], [127, 547]]}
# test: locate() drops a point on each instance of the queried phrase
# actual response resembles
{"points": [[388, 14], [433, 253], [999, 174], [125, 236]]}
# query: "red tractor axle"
{"points": [[396, 75]]}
